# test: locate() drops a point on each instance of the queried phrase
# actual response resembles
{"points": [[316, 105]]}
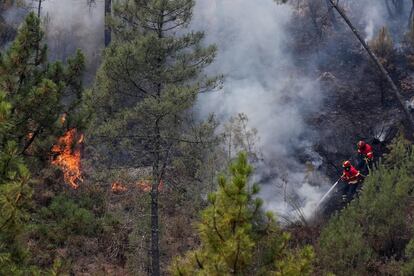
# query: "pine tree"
{"points": [[150, 77], [31, 94], [237, 238], [14, 193], [36, 88]]}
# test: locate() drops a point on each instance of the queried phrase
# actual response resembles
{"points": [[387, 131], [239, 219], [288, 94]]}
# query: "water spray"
{"points": [[327, 194]]}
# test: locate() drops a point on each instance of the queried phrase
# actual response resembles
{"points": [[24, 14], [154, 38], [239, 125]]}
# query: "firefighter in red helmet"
{"points": [[351, 176], [366, 151]]}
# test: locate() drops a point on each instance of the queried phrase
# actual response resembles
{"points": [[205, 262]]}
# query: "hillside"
{"points": [[192, 137]]}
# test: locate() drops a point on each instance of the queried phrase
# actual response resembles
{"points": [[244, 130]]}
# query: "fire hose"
{"points": [[330, 190]]}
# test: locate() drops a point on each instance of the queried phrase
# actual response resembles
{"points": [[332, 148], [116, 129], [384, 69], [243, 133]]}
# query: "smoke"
{"points": [[373, 18], [71, 25], [262, 82], [373, 15]]}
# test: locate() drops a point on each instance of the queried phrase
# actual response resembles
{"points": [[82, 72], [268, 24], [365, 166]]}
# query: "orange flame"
{"points": [[142, 185], [146, 186], [118, 188], [67, 156]]}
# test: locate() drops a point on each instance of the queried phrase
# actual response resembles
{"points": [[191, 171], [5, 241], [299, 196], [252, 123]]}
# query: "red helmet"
{"points": [[346, 164], [361, 144]]}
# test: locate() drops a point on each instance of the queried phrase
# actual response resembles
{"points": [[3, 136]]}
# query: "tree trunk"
{"points": [[410, 19], [39, 8], [108, 11], [155, 252], [381, 68], [156, 175]]}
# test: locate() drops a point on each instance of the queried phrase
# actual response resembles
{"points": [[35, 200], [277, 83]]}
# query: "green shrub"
{"points": [[373, 228], [62, 218], [238, 238]]}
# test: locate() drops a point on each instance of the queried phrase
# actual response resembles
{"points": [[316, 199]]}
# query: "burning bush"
{"points": [[142, 185], [67, 155], [146, 185], [118, 188]]}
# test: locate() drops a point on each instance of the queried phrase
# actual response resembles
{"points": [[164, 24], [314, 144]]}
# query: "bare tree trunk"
{"points": [[381, 68], [108, 11], [39, 8]]}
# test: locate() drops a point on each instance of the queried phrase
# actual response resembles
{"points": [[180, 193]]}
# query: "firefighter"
{"points": [[351, 176], [366, 151]]}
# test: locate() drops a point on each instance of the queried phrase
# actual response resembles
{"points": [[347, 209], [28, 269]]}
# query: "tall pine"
{"points": [[150, 77]]}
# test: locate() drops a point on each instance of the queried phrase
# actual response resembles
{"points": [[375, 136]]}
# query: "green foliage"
{"points": [[57, 269], [65, 218], [373, 227], [35, 89], [149, 78], [408, 268], [31, 94], [14, 195], [237, 238]]}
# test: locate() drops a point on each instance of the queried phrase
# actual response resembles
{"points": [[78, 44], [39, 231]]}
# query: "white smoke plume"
{"points": [[372, 18], [71, 25], [373, 15], [262, 82]]}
